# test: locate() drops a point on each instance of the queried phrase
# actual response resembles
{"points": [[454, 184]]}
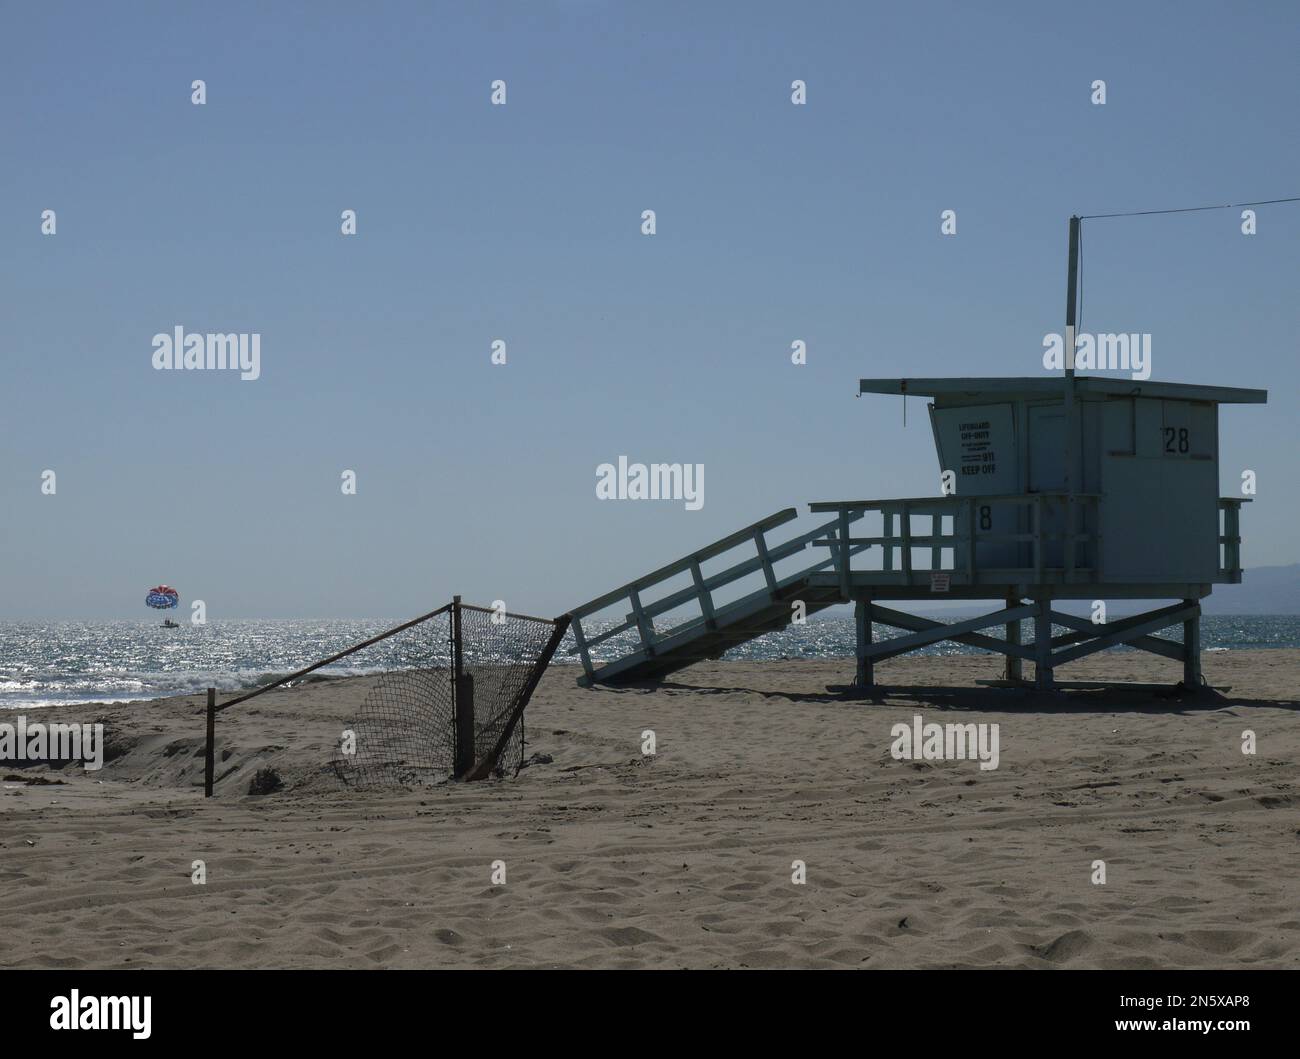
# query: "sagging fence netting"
{"points": [[455, 706], [444, 696], [404, 729]]}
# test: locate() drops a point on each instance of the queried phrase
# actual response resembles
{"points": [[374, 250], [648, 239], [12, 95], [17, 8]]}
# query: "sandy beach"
{"points": [[684, 859]]}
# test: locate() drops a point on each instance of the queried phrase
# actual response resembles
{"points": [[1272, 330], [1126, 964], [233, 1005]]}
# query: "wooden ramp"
{"points": [[1025, 550], [708, 628]]}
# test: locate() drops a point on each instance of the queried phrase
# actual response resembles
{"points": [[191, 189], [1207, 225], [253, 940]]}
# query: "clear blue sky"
{"points": [[775, 222]]}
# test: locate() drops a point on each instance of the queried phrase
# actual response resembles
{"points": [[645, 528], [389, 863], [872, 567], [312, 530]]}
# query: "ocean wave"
{"points": [[49, 664]]}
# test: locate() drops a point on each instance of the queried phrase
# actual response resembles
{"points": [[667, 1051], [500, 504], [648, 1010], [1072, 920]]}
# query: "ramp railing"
{"points": [[642, 613]]}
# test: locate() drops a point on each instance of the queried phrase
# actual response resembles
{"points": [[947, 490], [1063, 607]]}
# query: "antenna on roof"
{"points": [[1071, 301], [1071, 308]]}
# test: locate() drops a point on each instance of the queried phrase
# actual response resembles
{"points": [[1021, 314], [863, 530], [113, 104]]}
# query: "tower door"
{"points": [[1046, 449], [1047, 473]]}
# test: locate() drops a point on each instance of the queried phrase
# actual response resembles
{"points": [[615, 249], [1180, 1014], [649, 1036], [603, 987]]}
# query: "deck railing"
{"points": [[1230, 538], [642, 613], [972, 525]]}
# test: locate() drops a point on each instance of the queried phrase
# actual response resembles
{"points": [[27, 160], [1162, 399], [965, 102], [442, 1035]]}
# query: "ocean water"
{"points": [[47, 663]]}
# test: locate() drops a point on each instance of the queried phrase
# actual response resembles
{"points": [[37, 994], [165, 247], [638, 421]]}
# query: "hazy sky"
{"points": [[522, 222]]}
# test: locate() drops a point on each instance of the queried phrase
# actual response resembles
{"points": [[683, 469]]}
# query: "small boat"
{"points": [[169, 624]]}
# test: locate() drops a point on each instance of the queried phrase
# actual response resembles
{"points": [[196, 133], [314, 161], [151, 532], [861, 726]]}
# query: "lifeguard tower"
{"points": [[1053, 488], [1144, 522]]}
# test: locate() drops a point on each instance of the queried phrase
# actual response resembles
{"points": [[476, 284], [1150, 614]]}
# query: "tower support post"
{"points": [[1043, 644], [865, 676], [1192, 647], [1014, 671]]}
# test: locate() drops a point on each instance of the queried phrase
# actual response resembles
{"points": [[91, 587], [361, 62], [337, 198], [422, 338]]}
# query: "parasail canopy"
{"points": [[162, 597]]}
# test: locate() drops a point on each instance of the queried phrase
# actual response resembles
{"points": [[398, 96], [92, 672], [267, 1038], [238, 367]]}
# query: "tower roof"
{"points": [[1031, 386]]}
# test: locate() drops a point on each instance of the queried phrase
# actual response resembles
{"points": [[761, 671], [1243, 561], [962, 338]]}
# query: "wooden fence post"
{"points": [[210, 755], [462, 696]]}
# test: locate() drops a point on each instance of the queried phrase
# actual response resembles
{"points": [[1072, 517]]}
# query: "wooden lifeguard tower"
{"points": [[1145, 522], [1053, 488]]}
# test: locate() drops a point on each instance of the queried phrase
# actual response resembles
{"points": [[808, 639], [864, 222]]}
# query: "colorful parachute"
{"points": [[162, 597]]}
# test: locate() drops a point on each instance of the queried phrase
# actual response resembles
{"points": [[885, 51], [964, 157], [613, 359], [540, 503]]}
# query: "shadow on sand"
{"points": [[984, 699]]}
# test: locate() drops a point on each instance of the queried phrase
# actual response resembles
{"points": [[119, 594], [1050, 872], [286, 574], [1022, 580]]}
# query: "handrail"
{"points": [[775, 553], [702, 589], [1230, 538], [723, 611], [951, 500], [965, 532], [681, 565]]}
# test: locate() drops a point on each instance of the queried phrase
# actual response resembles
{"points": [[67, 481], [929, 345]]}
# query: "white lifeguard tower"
{"points": [[1053, 488], [1144, 522]]}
